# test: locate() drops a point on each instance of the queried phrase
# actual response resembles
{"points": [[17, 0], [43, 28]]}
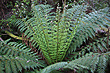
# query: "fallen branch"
{"points": [[14, 36]]}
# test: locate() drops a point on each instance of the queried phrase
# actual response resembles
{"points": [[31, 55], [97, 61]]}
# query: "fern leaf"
{"points": [[52, 67], [19, 57], [13, 67], [87, 28], [1, 67], [94, 62], [7, 67], [19, 67], [102, 64]]}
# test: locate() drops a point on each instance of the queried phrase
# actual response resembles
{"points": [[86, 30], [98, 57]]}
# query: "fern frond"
{"points": [[94, 62], [99, 45], [87, 27], [55, 66], [14, 57]]}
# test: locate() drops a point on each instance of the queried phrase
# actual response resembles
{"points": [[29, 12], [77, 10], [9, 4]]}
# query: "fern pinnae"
{"points": [[55, 66], [1, 67], [91, 24], [7, 67], [13, 66], [89, 62], [58, 44], [19, 67], [63, 30], [47, 47]]}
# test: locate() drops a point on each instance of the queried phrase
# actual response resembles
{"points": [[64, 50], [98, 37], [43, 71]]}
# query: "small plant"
{"points": [[23, 9]]}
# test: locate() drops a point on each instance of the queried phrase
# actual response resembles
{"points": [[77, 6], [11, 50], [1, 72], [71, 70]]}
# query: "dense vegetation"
{"points": [[48, 36]]}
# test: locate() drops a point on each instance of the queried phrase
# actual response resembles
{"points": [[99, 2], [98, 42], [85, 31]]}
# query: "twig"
{"points": [[14, 36], [64, 4], [1, 39], [3, 34]]}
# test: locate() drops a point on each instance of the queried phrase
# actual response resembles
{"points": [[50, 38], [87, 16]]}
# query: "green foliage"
{"points": [[58, 35], [55, 66], [89, 63], [50, 32], [16, 57], [88, 27], [22, 9], [98, 45], [98, 4]]}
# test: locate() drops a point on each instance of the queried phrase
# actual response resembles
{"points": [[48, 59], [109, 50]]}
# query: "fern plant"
{"points": [[50, 32], [58, 35], [87, 29]]}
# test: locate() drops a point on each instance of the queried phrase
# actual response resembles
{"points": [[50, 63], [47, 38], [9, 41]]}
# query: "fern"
{"points": [[93, 62], [51, 31], [15, 57], [99, 45], [58, 35], [87, 27], [21, 58], [55, 66]]}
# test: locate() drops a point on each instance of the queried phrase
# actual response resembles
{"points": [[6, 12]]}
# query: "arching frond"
{"points": [[15, 57], [88, 27], [92, 62]]}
